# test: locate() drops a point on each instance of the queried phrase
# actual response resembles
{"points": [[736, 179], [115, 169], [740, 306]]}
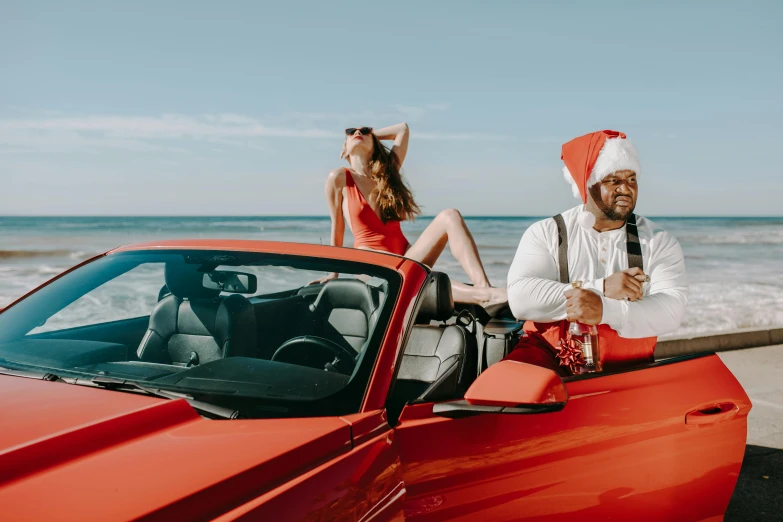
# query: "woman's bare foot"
{"points": [[494, 297], [496, 305], [483, 296], [496, 301]]}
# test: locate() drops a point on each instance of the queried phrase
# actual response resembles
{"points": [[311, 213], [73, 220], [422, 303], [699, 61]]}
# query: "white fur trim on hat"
{"points": [[616, 154], [570, 179]]}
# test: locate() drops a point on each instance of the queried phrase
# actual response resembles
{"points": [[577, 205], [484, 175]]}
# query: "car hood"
{"points": [[72, 452]]}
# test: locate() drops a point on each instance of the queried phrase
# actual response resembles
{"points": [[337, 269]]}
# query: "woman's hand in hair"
{"points": [[399, 133], [391, 132]]}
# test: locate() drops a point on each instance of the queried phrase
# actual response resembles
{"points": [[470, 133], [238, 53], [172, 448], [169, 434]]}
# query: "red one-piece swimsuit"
{"points": [[369, 231]]}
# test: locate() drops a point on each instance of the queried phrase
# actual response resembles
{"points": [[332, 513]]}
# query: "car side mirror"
{"points": [[509, 387]]}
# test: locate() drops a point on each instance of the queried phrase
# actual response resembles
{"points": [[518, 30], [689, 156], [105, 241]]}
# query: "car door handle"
{"points": [[711, 414]]}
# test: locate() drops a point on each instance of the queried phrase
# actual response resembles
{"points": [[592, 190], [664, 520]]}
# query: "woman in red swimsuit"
{"points": [[373, 199]]}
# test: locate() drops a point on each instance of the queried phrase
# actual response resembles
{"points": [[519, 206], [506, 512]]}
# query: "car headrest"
{"points": [[186, 282], [347, 293], [437, 302]]}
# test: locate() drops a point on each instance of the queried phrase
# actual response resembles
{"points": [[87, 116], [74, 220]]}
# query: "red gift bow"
{"points": [[569, 351]]}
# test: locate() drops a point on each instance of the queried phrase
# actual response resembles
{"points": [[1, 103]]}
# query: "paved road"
{"points": [[759, 492]]}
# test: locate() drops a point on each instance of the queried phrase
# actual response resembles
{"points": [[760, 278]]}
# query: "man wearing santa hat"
{"points": [[632, 271]]}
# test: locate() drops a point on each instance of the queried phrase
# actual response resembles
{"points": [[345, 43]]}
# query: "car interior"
{"points": [[201, 334], [440, 360]]}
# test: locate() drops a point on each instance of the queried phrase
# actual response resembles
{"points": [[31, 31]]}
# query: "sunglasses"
{"points": [[364, 131]]}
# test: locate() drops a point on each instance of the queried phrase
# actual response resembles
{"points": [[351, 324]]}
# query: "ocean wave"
{"points": [[730, 235], [714, 306], [728, 240], [731, 263], [498, 263], [237, 224], [24, 254], [83, 254], [511, 247]]}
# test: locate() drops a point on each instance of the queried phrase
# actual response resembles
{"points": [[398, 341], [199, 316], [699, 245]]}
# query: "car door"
{"points": [[661, 443], [362, 483]]}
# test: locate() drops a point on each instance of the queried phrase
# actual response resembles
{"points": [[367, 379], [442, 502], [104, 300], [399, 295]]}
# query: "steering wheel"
{"points": [[308, 350]]}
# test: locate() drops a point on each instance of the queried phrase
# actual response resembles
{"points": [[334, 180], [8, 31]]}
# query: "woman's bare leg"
{"points": [[449, 227], [483, 296]]}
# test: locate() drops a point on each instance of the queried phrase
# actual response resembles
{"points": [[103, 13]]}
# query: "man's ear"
{"points": [[594, 193]]}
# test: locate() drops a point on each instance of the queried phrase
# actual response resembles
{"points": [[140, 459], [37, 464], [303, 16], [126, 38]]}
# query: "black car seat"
{"points": [[440, 361], [345, 312], [195, 325]]}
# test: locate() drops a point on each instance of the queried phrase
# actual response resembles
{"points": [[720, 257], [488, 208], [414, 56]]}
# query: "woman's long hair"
{"points": [[394, 197]]}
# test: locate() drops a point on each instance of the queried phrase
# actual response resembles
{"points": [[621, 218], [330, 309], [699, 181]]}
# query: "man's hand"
{"points": [[625, 284], [584, 306]]}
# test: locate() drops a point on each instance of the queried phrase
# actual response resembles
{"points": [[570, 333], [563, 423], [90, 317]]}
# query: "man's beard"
{"points": [[615, 214], [612, 213]]}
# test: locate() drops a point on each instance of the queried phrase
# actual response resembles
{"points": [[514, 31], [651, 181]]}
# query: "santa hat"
{"points": [[590, 158]]}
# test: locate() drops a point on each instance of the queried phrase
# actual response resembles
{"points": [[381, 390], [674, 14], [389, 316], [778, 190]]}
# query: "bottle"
{"points": [[585, 336]]}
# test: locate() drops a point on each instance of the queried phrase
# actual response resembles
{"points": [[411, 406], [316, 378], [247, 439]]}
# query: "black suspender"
{"points": [[562, 249], [632, 243], [633, 246]]}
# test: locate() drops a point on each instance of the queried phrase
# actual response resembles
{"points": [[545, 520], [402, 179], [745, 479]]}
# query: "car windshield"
{"points": [[258, 333]]}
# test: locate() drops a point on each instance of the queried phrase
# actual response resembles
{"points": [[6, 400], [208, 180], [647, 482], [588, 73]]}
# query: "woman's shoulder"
{"points": [[337, 177]]}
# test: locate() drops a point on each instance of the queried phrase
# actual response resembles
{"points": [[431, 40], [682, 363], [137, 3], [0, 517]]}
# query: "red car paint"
{"points": [[660, 443], [541, 386], [619, 450]]}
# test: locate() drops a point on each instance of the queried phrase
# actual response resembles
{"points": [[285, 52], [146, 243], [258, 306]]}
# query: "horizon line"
{"points": [[323, 216]]}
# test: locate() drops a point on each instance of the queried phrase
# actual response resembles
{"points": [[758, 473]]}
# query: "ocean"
{"points": [[732, 263]]}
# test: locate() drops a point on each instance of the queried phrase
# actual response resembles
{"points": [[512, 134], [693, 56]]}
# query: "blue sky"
{"points": [[238, 107]]}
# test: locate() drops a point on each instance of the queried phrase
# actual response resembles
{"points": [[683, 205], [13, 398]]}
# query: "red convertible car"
{"points": [[196, 380]]}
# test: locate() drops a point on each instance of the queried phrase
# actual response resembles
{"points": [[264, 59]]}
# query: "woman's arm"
{"points": [[399, 133], [334, 200]]}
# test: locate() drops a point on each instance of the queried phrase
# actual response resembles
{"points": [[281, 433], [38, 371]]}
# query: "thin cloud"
{"points": [[141, 133], [63, 133], [395, 114], [461, 136], [411, 113], [167, 126], [419, 112], [22, 141]]}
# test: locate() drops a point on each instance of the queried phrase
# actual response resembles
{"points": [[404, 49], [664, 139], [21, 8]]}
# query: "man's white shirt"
{"points": [[535, 293]]}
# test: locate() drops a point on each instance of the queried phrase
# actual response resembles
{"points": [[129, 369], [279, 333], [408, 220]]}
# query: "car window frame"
{"points": [[393, 420]]}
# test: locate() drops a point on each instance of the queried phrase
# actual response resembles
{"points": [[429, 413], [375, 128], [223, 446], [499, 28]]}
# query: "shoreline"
{"points": [[326, 216]]}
